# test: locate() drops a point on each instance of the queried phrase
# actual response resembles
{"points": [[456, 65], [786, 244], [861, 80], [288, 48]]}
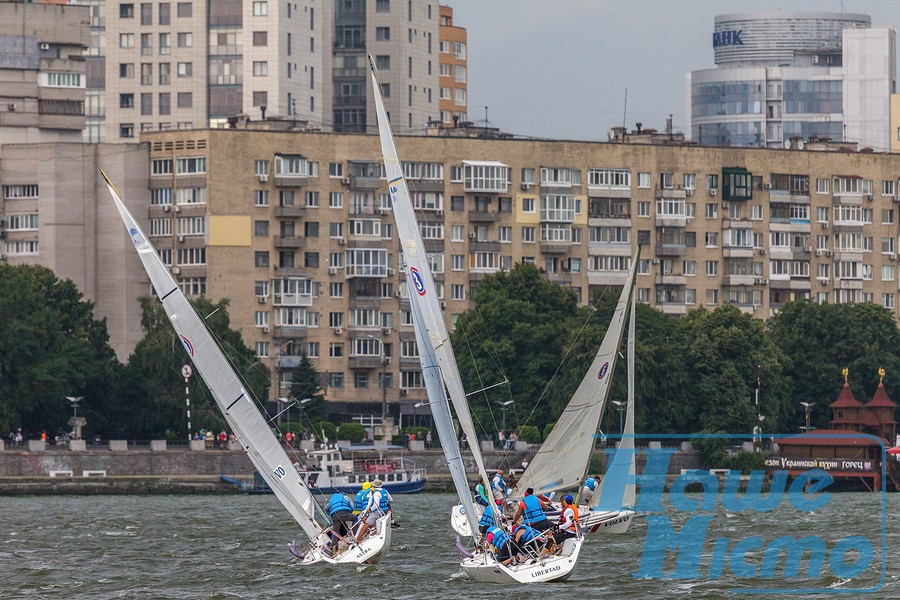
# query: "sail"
{"points": [[622, 464], [239, 409], [563, 458], [431, 333]]}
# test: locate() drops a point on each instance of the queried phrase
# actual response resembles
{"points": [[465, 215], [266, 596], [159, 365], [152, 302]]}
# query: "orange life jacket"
{"points": [[562, 518]]}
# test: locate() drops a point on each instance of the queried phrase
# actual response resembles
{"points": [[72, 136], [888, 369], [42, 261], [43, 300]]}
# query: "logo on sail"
{"points": [[134, 236], [187, 345], [417, 281], [603, 371]]}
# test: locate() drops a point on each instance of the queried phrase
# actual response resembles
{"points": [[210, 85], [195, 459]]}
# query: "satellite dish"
{"points": [[787, 144], [800, 144]]}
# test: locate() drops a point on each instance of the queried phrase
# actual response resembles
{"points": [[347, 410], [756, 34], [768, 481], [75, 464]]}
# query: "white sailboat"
{"points": [[252, 430], [563, 459], [441, 375]]}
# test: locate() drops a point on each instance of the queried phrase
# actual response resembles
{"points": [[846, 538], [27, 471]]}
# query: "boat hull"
{"points": [[485, 568], [403, 487], [370, 550], [600, 521]]}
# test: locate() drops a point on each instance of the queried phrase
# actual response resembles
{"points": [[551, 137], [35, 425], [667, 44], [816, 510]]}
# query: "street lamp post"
{"points": [[806, 408], [504, 408], [620, 406], [76, 430]]}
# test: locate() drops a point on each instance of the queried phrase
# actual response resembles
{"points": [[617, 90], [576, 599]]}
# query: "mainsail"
{"points": [[239, 409], [439, 367], [563, 458]]}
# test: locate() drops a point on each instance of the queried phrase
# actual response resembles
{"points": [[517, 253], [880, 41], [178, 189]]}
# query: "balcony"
{"points": [[560, 278], [290, 212], [669, 249], [670, 279], [290, 332], [282, 241], [365, 183], [285, 180], [366, 362], [483, 246], [556, 247], [290, 271], [737, 251], [477, 216]]}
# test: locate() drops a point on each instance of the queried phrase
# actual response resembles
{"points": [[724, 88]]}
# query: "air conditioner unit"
{"points": [[761, 281], [261, 299], [44, 46], [655, 261], [167, 208], [403, 391], [11, 106], [526, 186], [767, 186], [870, 197], [823, 281], [177, 208], [891, 256], [472, 236], [725, 205], [818, 253], [176, 271], [263, 177], [762, 251], [181, 238], [341, 241], [386, 331], [713, 192], [338, 331], [828, 253], [815, 59], [824, 225], [265, 329], [443, 304], [439, 213], [384, 211], [345, 181], [332, 270], [807, 249], [688, 192], [397, 294]]}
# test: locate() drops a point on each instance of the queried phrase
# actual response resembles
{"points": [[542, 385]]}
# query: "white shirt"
{"points": [[569, 515], [375, 499]]}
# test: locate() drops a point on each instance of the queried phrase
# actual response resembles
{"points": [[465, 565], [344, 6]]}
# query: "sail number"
{"points": [[603, 370], [280, 472], [418, 283]]}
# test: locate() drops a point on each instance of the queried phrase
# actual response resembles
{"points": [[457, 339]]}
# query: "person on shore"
{"points": [[223, 437], [531, 512], [362, 498], [378, 506], [498, 485], [342, 519], [428, 439]]}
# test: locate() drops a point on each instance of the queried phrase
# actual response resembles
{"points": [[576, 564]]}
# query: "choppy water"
{"points": [[236, 547]]}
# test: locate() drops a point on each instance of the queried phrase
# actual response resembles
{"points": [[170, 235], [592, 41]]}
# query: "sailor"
{"points": [[379, 505], [568, 521], [362, 498], [590, 486], [501, 543], [498, 485], [480, 495], [342, 518], [531, 540], [531, 512], [487, 519]]}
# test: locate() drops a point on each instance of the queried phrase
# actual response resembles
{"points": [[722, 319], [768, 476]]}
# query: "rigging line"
{"points": [[481, 383]]}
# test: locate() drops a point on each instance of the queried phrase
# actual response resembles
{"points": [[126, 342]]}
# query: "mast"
{"points": [[435, 352]]}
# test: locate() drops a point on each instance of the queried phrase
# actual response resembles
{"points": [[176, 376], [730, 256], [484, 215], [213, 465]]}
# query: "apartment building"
{"points": [[42, 76], [295, 229], [454, 99]]}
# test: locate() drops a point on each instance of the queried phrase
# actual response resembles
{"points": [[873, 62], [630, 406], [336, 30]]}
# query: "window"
{"points": [[185, 40], [383, 34], [165, 73], [126, 130], [643, 208], [185, 10], [822, 186], [528, 205], [261, 259], [126, 40], [712, 239], [712, 211], [260, 38], [126, 11], [643, 180], [126, 100], [261, 198], [260, 8], [260, 68], [165, 43], [185, 100], [165, 13]]}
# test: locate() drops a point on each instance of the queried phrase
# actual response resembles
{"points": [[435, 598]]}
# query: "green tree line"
{"points": [[696, 372]]}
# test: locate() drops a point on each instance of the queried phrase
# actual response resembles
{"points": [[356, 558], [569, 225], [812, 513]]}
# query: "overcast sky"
{"points": [[560, 68]]}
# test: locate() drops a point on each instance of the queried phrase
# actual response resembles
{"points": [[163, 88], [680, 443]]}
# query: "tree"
{"points": [[305, 384], [822, 339], [354, 432], [518, 330], [51, 347], [152, 391]]}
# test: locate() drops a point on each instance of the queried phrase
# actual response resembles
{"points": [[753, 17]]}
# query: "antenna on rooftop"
{"points": [[625, 109]]}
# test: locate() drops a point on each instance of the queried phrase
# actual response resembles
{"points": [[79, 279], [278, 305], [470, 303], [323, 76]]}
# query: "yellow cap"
{"points": [[366, 485]]}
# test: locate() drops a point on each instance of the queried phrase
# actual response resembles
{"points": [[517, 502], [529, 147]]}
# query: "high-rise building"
{"points": [[454, 71], [154, 66], [42, 79], [785, 75]]}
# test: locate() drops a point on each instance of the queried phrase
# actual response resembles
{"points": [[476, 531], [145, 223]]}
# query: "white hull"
{"points": [[604, 521], [370, 550], [484, 568]]}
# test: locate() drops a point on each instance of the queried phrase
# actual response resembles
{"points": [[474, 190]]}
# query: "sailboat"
{"points": [[441, 376], [563, 459], [252, 430]]}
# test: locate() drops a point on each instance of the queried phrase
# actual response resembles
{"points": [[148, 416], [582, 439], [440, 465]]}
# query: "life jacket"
{"points": [[487, 519], [533, 511], [590, 483], [500, 537], [529, 533], [383, 500], [498, 484], [337, 503], [361, 500], [562, 518]]}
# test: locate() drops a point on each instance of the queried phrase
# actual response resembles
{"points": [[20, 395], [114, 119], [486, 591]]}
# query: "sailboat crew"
{"points": [[590, 486], [362, 498], [502, 544], [568, 521], [531, 540], [342, 519], [378, 506], [498, 485], [531, 512]]}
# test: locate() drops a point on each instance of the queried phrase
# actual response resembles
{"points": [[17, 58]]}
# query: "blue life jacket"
{"points": [[487, 519], [533, 512], [383, 505], [362, 500], [500, 537], [337, 503], [590, 483], [529, 534], [498, 484]]}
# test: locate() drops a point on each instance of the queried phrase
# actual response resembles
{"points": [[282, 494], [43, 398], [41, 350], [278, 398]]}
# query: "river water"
{"points": [[236, 547]]}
